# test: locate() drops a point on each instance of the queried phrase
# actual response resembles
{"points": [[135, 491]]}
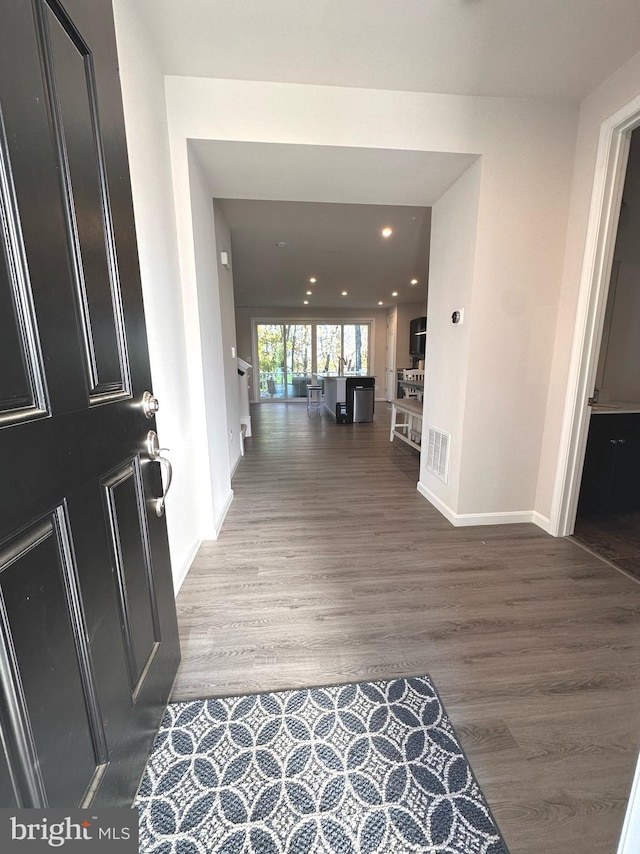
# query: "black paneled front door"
{"points": [[88, 636]]}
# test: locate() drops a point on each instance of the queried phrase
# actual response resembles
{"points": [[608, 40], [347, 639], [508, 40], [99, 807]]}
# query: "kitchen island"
{"points": [[354, 390]]}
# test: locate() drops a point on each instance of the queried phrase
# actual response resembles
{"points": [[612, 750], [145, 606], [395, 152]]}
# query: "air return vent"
{"points": [[438, 453]]}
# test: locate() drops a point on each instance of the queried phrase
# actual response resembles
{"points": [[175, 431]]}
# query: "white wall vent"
{"points": [[438, 453]]}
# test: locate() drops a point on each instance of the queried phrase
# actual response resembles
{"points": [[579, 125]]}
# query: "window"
{"points": [[355, 347], [299, 359], [271, 360], [289, 354], [328, 347]]}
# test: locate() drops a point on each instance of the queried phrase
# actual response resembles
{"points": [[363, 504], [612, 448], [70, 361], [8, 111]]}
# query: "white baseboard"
{"points": [[630, 836], [543, 522], [237, 462], [443, 508], [212, 530], [219, 522], [460, 520], [179, 578]]}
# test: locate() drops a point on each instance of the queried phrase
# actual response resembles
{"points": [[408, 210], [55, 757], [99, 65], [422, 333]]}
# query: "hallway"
{"points": [[332, 568]]}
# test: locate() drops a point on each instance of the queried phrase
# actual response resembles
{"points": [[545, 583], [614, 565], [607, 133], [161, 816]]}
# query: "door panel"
{"points": [[7, 794], [390, 360], [16, 388], [88, 633], [37, 582], [22, 380], [127, 521], [73, 105], [36, 225]]}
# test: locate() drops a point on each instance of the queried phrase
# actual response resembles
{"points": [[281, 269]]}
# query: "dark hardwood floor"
{"points": [[613, 536], [332, 568]]}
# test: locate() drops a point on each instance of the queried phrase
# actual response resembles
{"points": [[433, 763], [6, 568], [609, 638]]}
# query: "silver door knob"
{"points": [[150, 404], [155, 455]]}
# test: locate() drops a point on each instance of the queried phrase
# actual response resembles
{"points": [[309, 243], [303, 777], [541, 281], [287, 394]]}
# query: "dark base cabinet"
{"points": [[360, 398], [611, 475]]}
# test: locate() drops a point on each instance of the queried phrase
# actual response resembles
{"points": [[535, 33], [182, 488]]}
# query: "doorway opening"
{"points": [[606, 203], [608, 514]]}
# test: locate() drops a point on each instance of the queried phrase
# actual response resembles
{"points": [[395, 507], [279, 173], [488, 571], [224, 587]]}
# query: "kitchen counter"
{"points": [[337, 390], [336, 375], [624, 408]]}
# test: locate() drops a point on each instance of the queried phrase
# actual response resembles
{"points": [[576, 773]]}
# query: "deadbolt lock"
{"points": [[150, 404]]}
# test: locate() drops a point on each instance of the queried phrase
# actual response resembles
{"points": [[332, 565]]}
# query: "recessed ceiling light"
{"points": [[380, 302], [309, 293], [306, 302], [344, 293], [313, 280], [394, 293], [281, 244], [387, 232], [414, 281]]}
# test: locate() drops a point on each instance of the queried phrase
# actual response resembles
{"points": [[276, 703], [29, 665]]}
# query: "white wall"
{"points": [[613, 94], [454, 222], [150, 164], [206, 324], [527, 154], [229, 346]]}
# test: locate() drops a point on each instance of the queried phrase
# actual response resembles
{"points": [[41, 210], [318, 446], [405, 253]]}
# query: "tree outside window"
{"points": [[285, 354]]}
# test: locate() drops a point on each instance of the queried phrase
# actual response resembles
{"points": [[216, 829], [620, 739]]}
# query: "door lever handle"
{"points": [[160, 502], [155, 455]]}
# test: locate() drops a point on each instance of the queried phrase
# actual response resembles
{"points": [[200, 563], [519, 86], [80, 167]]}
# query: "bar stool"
{"points": [[314, 399]]}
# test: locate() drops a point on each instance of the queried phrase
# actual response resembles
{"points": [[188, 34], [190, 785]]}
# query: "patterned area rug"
{"points": [[371, 767]]}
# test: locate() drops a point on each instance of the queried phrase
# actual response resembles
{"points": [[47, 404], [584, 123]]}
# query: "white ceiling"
{"points": [[538, 48], [328, 204], [513, 48], [322, 173], [339, 245]]}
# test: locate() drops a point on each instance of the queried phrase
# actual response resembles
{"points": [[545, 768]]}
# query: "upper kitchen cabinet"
{"points": [[417, 337]]}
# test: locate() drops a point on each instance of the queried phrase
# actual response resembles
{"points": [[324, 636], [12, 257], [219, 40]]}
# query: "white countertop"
{"points": [[332, 375], [623, 408]]}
